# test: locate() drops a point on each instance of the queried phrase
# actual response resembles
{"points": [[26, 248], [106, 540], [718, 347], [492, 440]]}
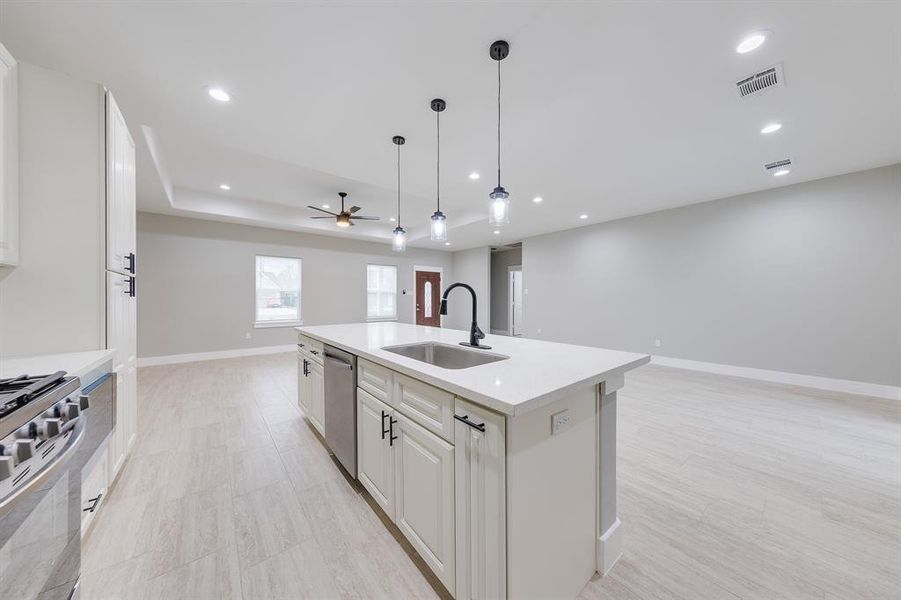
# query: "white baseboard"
{"points": [[608, 549], [172, 359], [823, 383]]}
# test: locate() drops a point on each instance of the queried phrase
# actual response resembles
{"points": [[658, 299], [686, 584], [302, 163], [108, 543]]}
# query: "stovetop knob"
{"points": [[71, 411], [23, 450], [49, 428], [7, 467]]}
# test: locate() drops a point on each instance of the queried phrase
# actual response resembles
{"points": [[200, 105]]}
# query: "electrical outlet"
{"points": [[539, 330], [656, 343], [247, 336], [559, 421]]}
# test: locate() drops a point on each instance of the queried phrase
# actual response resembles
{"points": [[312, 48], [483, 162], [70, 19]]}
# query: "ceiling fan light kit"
{"points": [[399, 243], [345, 217]]}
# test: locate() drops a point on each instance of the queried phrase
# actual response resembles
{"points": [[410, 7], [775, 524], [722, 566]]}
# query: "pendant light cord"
{"points": [[438, 161], [498, 123], [398, 185]]}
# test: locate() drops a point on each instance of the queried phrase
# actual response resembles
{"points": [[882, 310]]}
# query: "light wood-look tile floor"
{"points": [[728, 488]]}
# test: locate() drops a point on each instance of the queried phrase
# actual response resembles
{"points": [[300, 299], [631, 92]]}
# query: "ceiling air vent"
{"points": [[763, 80], [785, 163]]}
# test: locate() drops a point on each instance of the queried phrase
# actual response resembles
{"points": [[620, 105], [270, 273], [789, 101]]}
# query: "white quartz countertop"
{"points": [[73, 363], [537, 372]]}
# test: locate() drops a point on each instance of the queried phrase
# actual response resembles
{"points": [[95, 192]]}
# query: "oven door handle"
{"points": [[8, 503]]}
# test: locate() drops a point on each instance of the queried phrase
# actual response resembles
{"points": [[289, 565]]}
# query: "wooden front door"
{"points": [[428, 298]]}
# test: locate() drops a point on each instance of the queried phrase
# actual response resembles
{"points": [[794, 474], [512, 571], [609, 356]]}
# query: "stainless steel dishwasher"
{"points": [[341, 406]]}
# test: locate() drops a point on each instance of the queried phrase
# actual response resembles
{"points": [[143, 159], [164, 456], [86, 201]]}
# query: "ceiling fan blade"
{"points": [[317, 217], [354, 209], [365, 218], [321, 210]]}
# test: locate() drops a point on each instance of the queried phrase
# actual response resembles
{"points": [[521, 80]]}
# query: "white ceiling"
{"points": [[610, 109]]}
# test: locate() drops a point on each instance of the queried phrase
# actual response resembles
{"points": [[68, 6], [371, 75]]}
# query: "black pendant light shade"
{"points": [[439, 220], [399, 243], [499, 208]]}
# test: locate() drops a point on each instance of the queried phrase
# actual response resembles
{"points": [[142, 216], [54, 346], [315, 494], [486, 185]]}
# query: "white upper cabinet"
{"points": [[120, 191], [9, 160]]}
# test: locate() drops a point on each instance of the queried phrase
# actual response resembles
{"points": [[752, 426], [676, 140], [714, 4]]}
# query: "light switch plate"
{"points": [[559, 421]]}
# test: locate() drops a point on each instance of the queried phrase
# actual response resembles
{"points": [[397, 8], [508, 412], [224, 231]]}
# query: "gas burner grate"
{"points": [[16, 392]]}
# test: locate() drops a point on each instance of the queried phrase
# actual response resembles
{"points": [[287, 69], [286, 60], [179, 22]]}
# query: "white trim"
{"points": [[608, 550], [813, 381], [271, 324], [172, 359]]}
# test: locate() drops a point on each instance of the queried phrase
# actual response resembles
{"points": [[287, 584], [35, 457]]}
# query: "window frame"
{"points": [[269, 324], [396, 294]]}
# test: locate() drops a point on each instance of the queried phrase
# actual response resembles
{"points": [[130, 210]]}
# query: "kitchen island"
{"points": [[501, 475]]}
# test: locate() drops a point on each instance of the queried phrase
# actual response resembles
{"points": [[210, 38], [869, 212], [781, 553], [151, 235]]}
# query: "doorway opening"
{"points": [[428, 295]]}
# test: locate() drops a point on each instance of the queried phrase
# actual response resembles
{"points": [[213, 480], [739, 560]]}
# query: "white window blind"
{"points": [[381, 292], [277, 290]]}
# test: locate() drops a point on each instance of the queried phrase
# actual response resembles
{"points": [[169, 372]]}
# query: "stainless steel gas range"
{"points": [[47, 435]]}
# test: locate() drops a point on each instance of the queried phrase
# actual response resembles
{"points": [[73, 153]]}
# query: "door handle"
{"points": [[392, 437], [465, 419], [384, 431]]}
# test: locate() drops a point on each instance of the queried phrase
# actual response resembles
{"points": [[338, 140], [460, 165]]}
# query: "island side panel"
{"points": [[552, 485], [609, 531]]}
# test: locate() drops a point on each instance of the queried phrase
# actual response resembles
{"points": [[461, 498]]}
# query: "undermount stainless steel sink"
{"points": [[445, 355]]}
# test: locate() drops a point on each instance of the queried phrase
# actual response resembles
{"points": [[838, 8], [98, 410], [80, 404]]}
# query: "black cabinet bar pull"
{"points": [[306, 368], [130, 257], [384, 431], [392, 437], [94, 502], [465, 419]]}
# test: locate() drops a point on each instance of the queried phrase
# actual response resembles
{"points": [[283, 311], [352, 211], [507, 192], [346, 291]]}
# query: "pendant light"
{"points": [[400, 234], [499, 209], [439, 220]]}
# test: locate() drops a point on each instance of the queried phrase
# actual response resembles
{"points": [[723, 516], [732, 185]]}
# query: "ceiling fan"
{"points": [[343, 218]]}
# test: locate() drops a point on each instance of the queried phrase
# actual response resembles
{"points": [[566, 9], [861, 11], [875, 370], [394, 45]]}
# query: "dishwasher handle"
{"points": [[337, 361]]}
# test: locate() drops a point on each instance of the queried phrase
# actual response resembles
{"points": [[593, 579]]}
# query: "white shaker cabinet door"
{"points": [[317, 396], [480, 503], [424, 495], [375, 453], [303, 384]]}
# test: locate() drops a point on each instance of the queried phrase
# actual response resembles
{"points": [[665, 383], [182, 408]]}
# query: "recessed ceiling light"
{"points": [[219, 94], [474, 175], [781, 172], [225, 186], [325, 206], [447, 243], [771, 128], [392, 219], [752, 42], [537, 199], [497, 231], [583, 216]]}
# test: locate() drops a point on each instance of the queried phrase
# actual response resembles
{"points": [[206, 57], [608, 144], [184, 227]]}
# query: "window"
{"points": [[381, 292], [277, 291]]}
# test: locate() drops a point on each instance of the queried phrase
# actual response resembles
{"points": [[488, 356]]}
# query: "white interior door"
{"points": [[514, 287]]}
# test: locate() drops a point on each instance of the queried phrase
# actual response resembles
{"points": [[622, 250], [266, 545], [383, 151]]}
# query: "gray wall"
{"points": [[804, 279], [500, 281], [195, 282], [53, 301], [472, 267]]}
